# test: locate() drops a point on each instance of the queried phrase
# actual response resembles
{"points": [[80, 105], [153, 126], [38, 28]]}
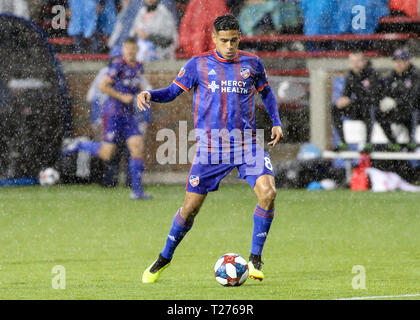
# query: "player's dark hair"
{"points": [[226, 22], [130, 40]]}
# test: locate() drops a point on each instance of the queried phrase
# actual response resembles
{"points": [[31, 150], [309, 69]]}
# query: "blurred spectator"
{"points": [[408, 7], [124, 22], [88, 19], [319, 16], [126, 17], [235, 6], [107, 17], [17, 7], [155, 28], [400, 103], [195, 30], [318, 19], [370, 11], [359, 99], [269, 16]]}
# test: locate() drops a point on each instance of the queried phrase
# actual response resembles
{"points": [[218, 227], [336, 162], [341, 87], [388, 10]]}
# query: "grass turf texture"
{"points": [[105, 241]]}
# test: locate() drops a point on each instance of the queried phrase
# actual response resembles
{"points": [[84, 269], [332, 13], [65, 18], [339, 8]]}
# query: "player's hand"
{"points": [[342, 102], [127, 98], [276, 135], [143, 100]]}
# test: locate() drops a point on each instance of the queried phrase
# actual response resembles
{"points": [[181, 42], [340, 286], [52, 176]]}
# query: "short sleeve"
{"points": [[187, 76], [261, 80], [113, 71], [140, 68]]}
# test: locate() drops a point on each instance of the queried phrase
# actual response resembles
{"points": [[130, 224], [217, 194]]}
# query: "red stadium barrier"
{"points": [[301, 54], [290, 37], [335, 37], [61, 41], [271, 39], [285, 55], [399, 19], [289, 72], [82, 57]]}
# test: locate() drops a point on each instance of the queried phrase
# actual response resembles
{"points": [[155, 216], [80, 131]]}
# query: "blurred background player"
{"points": [[400, 103], [123, 80], [359, 99], [97, 99], [223, 80]]}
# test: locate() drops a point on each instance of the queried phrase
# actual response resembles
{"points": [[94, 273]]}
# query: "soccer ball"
{"points": [[231, 270], [48, 177]]}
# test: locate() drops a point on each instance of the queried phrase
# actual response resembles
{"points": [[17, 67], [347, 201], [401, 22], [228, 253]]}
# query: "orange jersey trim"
{"points": [[181, 86], [262, 87], [225, 60]]}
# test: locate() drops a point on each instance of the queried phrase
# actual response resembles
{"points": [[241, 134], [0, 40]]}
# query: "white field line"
{"points": [[381, 297]]}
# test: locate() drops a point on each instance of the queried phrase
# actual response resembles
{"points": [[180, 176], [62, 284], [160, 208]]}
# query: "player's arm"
{"points": [[186, 79], [270, 104], [269, 101], [106, 86], [344, 100], [160, 95]]}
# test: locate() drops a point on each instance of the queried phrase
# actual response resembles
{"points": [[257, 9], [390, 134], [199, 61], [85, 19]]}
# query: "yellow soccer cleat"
{"points": [[152, 273], [254, 267]]}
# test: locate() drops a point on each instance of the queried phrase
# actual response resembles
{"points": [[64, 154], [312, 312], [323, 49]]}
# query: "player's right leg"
{"points": [[105, 149], [182, 223]]}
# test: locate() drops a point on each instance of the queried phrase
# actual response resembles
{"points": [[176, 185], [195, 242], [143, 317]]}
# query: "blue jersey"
{"points": [[223, 89], [121, 119], [223, 106], [127, 79], [223, 96]]}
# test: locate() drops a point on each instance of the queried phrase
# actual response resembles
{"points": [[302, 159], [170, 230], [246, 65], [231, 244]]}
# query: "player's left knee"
{"points": [[271, 194], [136, 148], [268, 195]]}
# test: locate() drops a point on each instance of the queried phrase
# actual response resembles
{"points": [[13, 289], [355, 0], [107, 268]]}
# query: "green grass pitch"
{"points": [[105, 241]]}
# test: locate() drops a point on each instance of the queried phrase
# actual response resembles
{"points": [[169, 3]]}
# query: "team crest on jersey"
{"points": [[408, 83], [181, 72], [194, 180], [245, 73]]}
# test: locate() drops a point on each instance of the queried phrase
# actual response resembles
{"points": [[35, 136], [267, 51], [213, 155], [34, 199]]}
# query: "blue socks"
{"points": [[178, 230], [262, 223], [91, 147], [136, 169]]}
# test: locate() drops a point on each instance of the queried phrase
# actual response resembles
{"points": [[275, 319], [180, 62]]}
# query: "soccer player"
{"points": [[223, 80], [122, 82]]}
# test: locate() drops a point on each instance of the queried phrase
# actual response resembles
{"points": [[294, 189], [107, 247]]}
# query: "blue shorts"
{"points": [[119, 124], [206, 177]]}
